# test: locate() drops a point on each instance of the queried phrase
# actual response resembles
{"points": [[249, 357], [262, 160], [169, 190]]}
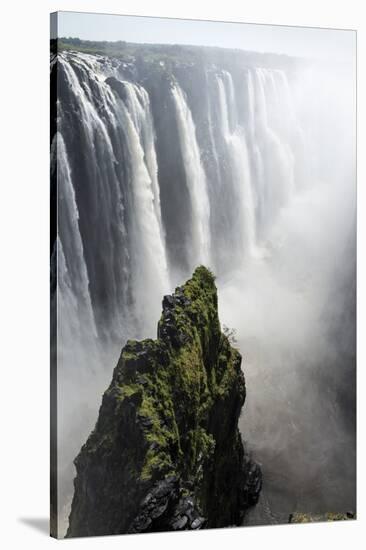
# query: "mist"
{"points": [[294, 311]]}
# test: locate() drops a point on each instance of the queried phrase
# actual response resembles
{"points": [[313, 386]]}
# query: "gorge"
{"points": [[167, 157]]}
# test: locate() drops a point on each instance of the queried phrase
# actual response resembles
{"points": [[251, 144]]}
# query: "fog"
{"points": [[294, 316], [293, 308]]}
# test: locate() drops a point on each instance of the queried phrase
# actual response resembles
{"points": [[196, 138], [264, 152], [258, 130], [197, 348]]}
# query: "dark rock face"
{"points": [[117, 86], [167, 508], [166, 452]]}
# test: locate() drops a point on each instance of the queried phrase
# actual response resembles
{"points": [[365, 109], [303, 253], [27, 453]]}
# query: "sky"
{"points": [[324, 44]]}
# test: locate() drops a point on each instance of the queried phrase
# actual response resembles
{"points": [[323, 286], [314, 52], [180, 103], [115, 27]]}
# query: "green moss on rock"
{"points": [[299, 517], [169, 422]]}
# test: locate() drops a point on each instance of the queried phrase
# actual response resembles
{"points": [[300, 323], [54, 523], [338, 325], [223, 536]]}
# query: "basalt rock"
{"points": [[166, 452]]}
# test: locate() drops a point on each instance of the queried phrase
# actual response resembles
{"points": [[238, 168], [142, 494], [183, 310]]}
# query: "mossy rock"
{"points": [[168, 426], [299, 517]]}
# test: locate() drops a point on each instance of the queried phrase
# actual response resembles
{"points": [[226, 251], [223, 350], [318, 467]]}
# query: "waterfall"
{"points": [[256, 151], [279, 160], [98, 190], [113, 227], [196, 180], [76, 314], [121, 171], [139, 107], [108, 124], [235, 140], [147, 254]]}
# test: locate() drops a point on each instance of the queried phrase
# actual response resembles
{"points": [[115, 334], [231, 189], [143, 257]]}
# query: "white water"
{"points": [[147, 254], [73, 278], [131, 120], [196, 180], [273, 156], [104, 191], [239, 160]]}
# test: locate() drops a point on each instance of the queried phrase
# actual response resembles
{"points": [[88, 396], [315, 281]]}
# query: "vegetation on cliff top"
{"points": [[129, 52]]}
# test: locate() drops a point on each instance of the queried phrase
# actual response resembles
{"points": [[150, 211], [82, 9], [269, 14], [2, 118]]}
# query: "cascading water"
{"points": [[72, 276], [119, 138], [270, 145], [196, 180], [146, 231], [162, 167], [237, 151]]}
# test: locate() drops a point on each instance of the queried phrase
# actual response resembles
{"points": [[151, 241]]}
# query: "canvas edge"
{"points": [[54, 532]]}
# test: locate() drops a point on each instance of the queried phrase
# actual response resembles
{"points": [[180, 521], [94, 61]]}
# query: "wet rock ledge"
{"points": [[166, 452]]}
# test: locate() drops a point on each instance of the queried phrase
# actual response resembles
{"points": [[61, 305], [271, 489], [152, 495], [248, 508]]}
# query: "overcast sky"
{"points": [[328, 44]]}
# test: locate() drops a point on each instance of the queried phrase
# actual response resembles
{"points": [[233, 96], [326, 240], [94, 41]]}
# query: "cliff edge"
{"points": [[166, 452]]}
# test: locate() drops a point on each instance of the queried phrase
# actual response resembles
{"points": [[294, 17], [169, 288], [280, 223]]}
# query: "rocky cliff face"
{"points": [[166, 452]]}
